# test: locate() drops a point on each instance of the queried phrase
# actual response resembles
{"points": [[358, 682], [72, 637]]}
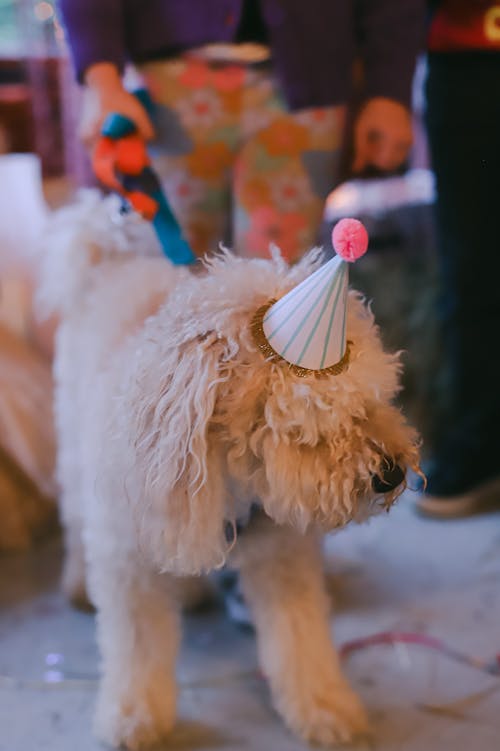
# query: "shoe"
{"points": [[480, 499]]}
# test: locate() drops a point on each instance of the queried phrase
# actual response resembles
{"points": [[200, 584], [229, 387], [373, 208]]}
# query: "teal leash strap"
{"points": [[174, 245]]}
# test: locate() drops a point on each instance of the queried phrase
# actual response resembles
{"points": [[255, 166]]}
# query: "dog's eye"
{"points": [[390, 476]]}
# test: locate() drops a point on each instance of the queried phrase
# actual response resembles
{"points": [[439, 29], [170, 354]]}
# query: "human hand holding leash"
{"points": [[121, 162], [104, 94]]}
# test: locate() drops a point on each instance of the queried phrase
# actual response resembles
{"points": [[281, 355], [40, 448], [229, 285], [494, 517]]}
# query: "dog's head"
{"points": [[315, 450]]}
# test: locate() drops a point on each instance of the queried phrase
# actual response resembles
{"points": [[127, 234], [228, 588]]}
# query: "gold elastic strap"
{"points": [[257, 329]]}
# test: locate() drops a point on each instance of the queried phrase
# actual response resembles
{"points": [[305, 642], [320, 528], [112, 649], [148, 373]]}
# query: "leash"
{"points": [[121, 162]]}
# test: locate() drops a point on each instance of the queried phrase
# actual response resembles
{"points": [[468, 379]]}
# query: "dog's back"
{"points": [[102, 282]]}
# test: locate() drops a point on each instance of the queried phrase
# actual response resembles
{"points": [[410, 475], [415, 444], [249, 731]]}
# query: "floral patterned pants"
{"points": [[236, 165]]}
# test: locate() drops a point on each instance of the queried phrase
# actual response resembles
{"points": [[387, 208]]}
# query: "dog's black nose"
{"points": [[391, 475]]}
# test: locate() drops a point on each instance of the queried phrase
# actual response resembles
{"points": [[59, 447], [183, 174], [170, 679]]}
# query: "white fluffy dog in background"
{"points": [[172, 427]]}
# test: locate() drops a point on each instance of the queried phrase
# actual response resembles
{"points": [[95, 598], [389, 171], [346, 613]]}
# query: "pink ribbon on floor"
{"points": [[492, 667]]}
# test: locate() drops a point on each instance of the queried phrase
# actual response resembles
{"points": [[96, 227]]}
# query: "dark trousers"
{"points": [[463, 122]]}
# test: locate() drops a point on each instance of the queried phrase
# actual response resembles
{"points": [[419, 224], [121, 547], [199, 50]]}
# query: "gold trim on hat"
{"points": [[257, 329]]}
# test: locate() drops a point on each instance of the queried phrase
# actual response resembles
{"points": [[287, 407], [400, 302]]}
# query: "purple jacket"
{"points": [[313, 42]]}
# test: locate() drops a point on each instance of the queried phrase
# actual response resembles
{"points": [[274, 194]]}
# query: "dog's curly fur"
{"points": [[171, 425]]}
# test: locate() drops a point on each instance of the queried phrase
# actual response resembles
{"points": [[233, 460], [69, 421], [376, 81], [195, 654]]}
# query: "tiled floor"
{"points": [[399, 572]]}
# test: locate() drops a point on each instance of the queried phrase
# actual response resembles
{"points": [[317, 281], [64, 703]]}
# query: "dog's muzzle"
{"points": [[390, 477]]}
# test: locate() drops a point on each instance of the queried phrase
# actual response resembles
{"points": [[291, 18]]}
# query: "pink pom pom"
{"points": [[350, 239]]}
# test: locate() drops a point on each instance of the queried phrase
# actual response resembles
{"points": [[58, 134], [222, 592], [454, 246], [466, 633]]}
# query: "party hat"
{"points": [[307, 327]]}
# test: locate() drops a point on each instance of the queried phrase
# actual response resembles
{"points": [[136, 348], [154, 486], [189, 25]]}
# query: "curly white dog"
{"points": [[172, 427]]}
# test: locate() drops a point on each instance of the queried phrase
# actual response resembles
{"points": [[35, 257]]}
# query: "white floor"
{"points": [[399, 572]]}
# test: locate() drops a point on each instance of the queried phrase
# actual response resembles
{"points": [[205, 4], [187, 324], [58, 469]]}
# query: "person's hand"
{"points": [[104, 93], [382, 135]]}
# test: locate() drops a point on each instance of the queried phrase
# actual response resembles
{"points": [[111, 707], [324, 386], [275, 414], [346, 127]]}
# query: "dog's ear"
{"points": [[182, 521]]}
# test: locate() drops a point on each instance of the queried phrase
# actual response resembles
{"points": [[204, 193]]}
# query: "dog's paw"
{"points": [[327, 717], [135, 723]]}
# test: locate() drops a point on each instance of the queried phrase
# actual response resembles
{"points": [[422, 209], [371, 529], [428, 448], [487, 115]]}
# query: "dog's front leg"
{"points": [[282, 579], [138, 635]]}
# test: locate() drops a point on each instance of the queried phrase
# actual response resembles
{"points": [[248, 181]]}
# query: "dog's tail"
{"points": [[78, 238]]}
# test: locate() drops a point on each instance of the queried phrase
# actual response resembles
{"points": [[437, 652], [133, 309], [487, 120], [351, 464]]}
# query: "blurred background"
{"points": [[36, 88]]}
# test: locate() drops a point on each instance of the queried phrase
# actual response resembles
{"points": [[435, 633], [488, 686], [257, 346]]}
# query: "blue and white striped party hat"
{"points": [[307, 327]]}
